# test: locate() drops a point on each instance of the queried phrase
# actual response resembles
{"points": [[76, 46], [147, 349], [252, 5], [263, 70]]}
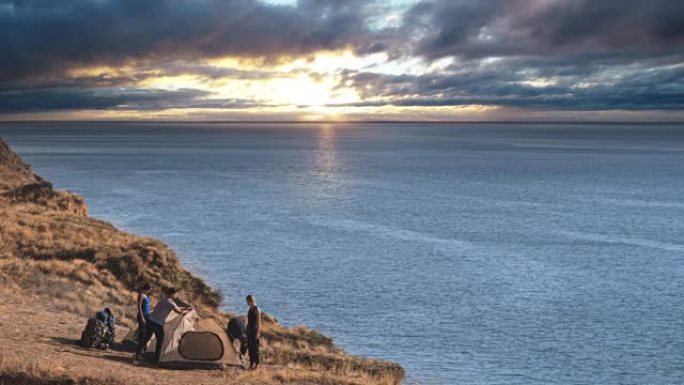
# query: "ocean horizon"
{"points": [[475, 253]]}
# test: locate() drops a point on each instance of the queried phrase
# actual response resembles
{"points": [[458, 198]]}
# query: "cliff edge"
{"points": [[58, 265]]}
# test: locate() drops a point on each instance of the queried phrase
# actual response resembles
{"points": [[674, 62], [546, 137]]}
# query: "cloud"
{"points": [[528, 84], [53, 99], [543, 27], [42, 37], [584, 55]]}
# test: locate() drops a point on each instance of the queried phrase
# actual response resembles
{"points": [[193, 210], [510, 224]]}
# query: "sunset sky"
{"points": [[342, 59]]}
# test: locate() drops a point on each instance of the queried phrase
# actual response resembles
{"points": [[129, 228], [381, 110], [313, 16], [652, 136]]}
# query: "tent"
{"points": [[130, 340], [193, 341]]}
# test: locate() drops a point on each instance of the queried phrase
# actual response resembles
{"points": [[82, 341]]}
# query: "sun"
{"points": [[312, 86], [306, 91], [301, 90]]}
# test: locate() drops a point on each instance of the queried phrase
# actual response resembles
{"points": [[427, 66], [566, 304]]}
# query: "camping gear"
{"points": [[95, 335], [107, 318], [194, 340]]}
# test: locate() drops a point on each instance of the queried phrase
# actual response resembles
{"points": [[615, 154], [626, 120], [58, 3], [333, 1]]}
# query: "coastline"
{"points": [[58, 263]]}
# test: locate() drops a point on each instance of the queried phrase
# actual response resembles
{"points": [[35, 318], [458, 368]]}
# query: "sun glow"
{"points": [[310, 88], [175, 82], [299, 90]]}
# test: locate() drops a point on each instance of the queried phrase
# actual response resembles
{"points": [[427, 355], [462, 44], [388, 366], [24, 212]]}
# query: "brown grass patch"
{"points": [[58, 265]]}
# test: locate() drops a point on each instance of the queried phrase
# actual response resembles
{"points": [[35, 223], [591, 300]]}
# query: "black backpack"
{"points": [[95, 335]]}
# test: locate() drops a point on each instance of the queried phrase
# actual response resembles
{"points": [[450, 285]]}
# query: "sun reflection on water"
{"points": [[327, 167]]}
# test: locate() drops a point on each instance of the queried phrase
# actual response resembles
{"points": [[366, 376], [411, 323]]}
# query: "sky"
{"points": [[342, 60]]}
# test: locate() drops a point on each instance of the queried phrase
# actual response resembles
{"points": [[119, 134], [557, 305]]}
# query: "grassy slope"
{"points": [[53, 254]]}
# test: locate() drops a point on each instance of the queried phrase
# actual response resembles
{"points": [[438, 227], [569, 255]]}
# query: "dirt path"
{"points": [[40, 340]]}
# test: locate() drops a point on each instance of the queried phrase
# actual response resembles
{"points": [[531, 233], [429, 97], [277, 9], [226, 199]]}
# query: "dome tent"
{"points": [[195, 341]]}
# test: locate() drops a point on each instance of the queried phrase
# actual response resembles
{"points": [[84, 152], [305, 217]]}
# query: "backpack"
{"points": [[95, 335], [107, 318]]}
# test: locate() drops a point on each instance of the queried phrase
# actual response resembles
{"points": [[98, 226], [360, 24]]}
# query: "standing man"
{"points": [[253, 332], [157, 319]]}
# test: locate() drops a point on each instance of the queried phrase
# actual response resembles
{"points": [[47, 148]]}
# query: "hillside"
{"points": [[58, 265]]}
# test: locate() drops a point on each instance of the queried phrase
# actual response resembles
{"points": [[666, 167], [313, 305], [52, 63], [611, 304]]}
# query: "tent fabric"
{"points": [[130, 340], [205, 346], [193, 341]]}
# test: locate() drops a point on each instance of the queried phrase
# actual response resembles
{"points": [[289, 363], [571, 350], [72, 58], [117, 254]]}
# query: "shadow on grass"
{"points": [[121, 354], [117, 347]]}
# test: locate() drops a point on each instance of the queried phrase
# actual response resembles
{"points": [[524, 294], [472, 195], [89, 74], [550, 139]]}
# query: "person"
{"points": [[236, 331], [106, 318], [144, 310], [111, 323], [157, 318], [253, 332]]}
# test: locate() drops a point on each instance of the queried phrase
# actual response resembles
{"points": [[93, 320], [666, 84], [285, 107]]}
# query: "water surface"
{"points": [[470, 254]]}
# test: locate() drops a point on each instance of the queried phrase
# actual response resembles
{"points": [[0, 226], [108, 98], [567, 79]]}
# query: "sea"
{"points": [[468, 253]]}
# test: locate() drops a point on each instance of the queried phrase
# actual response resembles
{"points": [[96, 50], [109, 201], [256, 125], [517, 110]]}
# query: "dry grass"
{"points": [[59, 265], [15, 370], [77, 286], [32, 231], [294, 375]]}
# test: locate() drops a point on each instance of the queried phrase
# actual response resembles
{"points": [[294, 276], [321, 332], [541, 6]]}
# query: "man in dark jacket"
{"points": [[237, 331], [253, 332]]}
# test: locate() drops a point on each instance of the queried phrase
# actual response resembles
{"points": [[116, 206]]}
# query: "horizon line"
{"points": [[436, 122]]}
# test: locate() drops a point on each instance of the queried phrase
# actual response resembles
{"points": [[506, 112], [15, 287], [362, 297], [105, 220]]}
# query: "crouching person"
{"points": [[237, 331], [157, 319]]}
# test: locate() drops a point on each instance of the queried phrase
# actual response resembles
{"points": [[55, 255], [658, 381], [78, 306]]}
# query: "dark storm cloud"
{"points": [[565, 55], [508, 83], [611, 23], [534, 27], [41, 36], [54, 99], [592, 54], [177, 68]]}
